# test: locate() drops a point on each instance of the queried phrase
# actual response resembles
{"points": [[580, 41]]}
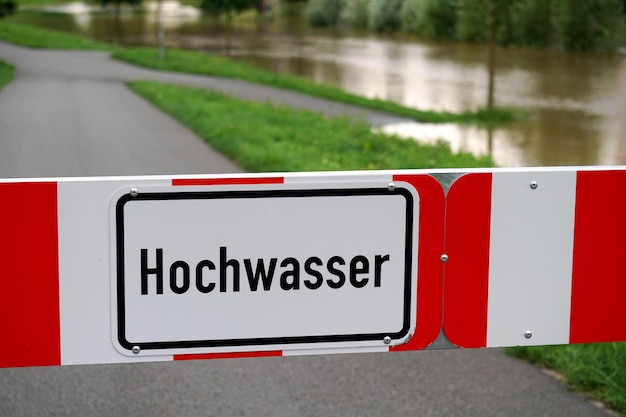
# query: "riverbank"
{"points": [[278, 138], [204, 64]]}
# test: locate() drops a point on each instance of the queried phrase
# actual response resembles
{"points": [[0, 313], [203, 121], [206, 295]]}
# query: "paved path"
{"points": [[73, 110], [69, 114]]}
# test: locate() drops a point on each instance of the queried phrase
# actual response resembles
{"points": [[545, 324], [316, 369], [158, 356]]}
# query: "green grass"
{"points": [[21, 3], [200, 63], [263, 137], [35, 37], [596, 369], [205, 64], [6, 74]]}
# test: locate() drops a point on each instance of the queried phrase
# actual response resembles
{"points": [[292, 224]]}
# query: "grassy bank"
{"points": [[263, 137], [6, 74], [36, 37], [22, 3], [201, 63], [596, 369]]}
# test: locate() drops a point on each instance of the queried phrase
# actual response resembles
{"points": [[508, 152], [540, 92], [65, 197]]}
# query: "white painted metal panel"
{"points": [[84, 271], [530, 267]]}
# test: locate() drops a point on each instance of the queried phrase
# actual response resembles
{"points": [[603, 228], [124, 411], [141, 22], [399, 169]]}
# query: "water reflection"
{"points": [[577, 101]]}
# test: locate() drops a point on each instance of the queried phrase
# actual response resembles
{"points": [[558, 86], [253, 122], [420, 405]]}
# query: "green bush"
{"points": [[385, 15], [533, 22], [412, 16], [7, 7], [430, 18], [588, 25], [473, 20], [477, 17], [358, 13], [324, 12]]}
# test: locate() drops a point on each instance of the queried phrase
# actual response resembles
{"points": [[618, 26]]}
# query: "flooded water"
{"points": [[577, 102]]}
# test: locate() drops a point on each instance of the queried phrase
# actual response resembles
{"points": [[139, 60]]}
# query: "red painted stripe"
{"points": [[466, 282], [598, 309], [429, 269], [230, 355], [228, 181], [29, 281]]}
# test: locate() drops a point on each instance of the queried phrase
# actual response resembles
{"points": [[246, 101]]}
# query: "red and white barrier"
{"points": [[533, 257], [536, 258]]}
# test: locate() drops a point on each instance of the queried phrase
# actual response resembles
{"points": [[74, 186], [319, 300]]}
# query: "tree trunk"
{"points": [[161, 32], [229, 28], [118, 26], [492, 57]]}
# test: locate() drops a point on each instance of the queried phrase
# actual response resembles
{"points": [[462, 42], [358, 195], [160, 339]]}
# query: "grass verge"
{"points": [[263, 137], [205, 64], [6, 74], [596, 369], [36, 37], [200, 63], [39, 2]]}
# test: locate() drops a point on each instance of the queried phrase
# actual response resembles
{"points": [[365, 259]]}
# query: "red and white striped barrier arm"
{"points": [[536, 258], [533, 257], [55, 281]]}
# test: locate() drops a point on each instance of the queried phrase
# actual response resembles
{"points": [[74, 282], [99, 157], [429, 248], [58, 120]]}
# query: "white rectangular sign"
{"points": [[235, 268]]}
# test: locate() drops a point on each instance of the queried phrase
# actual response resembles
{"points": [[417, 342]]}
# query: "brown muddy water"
{"points": [[576, 101]]}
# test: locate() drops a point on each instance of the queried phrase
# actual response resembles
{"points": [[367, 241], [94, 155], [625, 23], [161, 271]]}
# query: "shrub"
{"points": [[533, 22], [358, 13], [7, 7], [412, 16], [431, 18], [587, 25], [476, 18], [385, 15], [323, 12]]}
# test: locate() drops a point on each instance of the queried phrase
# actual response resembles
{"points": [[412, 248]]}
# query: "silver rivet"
{"points": [[391, 186], [134, 192], [444, 258], [136, 350], [533, 185], [387, 340], [528, 334]]}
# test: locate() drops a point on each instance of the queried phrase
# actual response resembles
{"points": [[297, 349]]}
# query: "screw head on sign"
{"points": [[391, 186], [444, 258], [134, 192], [533, 185], [136, 350], [387, 340], [528, 334]]}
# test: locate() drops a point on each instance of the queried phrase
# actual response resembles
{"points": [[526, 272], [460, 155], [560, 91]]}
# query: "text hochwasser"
{"points": [[312, 273]]}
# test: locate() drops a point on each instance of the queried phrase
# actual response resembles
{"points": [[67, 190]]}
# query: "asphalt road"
{"points": [[69, 114]]}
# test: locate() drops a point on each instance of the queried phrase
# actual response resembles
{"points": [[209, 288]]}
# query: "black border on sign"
{"points": [[195, 195]]}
